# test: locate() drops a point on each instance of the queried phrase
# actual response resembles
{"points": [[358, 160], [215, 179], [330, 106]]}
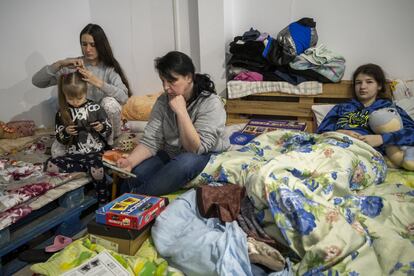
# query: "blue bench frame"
{"points": [[67, 222]]}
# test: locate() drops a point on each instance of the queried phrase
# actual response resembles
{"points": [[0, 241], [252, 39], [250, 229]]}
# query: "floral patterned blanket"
{"points": [[24, 186], [146, 261], [325, 197]]}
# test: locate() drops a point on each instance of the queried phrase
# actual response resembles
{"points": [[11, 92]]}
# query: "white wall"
{"points": [[212, 41], [34, 33], [186, 29], [139, 31]]}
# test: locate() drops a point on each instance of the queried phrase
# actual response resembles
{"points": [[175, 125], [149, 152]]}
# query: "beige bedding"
{"points": [[8, 146]]}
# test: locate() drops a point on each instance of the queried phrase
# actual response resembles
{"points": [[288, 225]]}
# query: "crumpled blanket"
{"points": [[199, 246], [323, 196], [237, 89]]}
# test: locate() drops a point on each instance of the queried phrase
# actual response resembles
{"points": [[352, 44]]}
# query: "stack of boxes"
{"points": [[124, 224]]}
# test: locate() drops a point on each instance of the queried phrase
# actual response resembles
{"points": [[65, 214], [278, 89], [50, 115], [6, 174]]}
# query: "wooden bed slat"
{"points": [[278, 104], [270, 108]]}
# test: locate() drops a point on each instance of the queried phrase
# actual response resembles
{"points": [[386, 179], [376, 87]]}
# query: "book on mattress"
{"points": [[255, 127], [110, 158], [118, 170]]}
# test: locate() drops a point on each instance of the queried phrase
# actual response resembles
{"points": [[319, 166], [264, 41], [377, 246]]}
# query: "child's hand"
{"points": [[374, 140], [97, 126], [351, 133], [71, 130]]}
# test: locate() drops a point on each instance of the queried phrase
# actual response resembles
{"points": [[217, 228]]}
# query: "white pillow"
{"points": [[408, 105], [136, 126], [400, 89], [410, 85], [320, 111]]}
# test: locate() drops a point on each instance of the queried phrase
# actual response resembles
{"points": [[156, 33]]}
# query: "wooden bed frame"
{"points": [[284, 106]]}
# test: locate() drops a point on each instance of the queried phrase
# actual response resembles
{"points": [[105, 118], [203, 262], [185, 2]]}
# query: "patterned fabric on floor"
{"points": [[146, 261]]}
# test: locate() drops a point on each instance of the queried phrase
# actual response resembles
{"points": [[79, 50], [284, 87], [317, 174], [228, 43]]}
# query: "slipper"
{"points": [[59, 243]]}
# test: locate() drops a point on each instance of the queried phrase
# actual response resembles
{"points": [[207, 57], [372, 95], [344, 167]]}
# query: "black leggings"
{"points": [[90, 163]]}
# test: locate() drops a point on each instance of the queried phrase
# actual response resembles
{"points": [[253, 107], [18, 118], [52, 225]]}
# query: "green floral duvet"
{"points": [[326, 195], [146, 262]]}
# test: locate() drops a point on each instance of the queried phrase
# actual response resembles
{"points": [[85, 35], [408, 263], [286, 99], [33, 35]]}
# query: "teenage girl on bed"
{"points": [[107, 83], [186, 125], [82, 128], [370, 94]]}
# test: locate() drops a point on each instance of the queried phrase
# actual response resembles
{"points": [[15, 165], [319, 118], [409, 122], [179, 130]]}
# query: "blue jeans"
{"points": [[161, 175]]}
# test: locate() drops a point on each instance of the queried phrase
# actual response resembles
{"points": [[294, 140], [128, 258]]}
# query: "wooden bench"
{"points": [[279, 105]]}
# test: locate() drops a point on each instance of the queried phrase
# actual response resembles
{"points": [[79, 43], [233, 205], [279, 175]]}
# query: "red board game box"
{"points": [[132, 211]]}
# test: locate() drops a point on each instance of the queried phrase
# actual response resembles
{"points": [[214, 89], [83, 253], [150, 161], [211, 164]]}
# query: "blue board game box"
{"points": [[132, 211]]}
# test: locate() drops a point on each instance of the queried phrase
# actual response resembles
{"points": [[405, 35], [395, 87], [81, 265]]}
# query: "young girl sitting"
{"points": [[82, 126], [370, 95]]}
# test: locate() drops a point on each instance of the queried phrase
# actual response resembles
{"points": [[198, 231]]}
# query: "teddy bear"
{"points": [[387, 120]]}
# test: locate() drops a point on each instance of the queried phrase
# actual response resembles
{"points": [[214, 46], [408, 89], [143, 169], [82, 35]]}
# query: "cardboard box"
{"points": [[131, 211], [121, 240]]}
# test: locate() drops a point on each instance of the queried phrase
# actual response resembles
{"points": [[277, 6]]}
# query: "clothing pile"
{"points": [[293, 56], [213, 230]]}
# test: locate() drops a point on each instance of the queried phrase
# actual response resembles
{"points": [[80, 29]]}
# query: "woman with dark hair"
{"points": [[186, 125], [107, 83], [370, 94]]}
